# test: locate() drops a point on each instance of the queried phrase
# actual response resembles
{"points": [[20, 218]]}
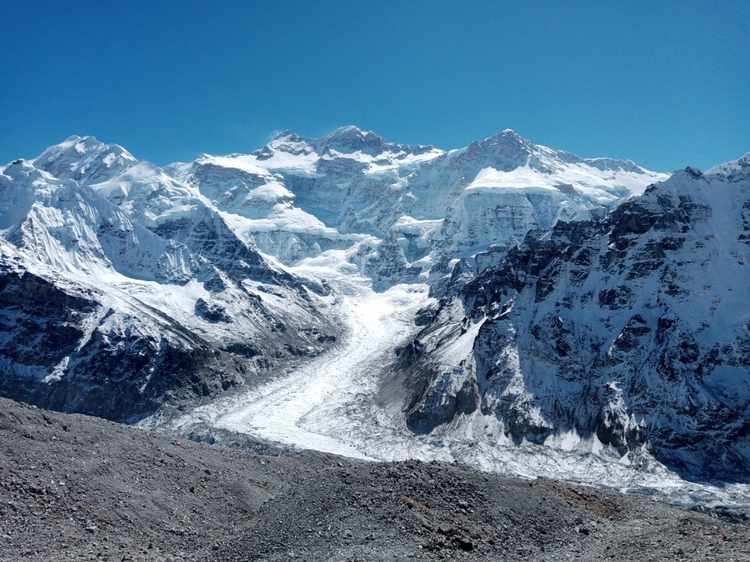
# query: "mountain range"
{"points": [[350, 290]]}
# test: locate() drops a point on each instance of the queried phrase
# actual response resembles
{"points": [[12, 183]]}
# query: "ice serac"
{"points": [[630, 332], [150, 296]]}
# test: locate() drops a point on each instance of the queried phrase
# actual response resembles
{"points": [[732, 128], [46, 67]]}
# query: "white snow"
{"points": [[59, 370], [329, 404]]}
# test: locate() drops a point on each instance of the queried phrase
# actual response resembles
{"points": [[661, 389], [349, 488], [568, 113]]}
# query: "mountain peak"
{"points": [[509, 137], [349, 132], [81, 143], [509, 134], [77, 157], [732, 169], [287, 135], [286, 141], [88, 144], [17, 168], [348, 128], [506, 150], [350, 139]]}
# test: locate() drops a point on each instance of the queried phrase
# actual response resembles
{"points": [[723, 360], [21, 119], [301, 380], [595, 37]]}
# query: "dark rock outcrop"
{"points": [[628, 330]]}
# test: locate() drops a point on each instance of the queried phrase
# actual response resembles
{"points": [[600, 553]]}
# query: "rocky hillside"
{"points": [[79, 488], [615, 336]]}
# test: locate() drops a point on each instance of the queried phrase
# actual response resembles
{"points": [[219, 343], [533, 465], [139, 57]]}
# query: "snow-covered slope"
{"points": [[621, 337], [152, 259], [75, 346]]}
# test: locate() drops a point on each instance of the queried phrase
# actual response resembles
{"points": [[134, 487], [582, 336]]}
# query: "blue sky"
{"points": [[664, 83]]}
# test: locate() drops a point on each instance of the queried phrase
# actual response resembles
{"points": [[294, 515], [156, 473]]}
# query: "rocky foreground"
{"points": [[79, 488]]}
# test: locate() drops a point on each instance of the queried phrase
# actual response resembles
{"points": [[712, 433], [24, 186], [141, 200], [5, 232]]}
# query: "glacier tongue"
{"points": [[339, 403], [313, 404]]}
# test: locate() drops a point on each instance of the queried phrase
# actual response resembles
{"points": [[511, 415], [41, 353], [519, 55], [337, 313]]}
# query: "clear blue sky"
{"points": [[664, 83]]}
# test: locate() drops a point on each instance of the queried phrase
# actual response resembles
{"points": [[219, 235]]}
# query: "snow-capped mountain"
{"points": [[611, 336], [409, 207], [151, 294], [175, 250]]}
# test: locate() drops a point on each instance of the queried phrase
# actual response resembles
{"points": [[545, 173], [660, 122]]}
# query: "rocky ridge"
{"points": [[614, 336]]}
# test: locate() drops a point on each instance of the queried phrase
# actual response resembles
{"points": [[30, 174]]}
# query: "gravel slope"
{"points": [[79, 488]]}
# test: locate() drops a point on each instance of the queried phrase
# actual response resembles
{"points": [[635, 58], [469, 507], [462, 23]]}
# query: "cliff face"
{"points": [[70, 347], [626, 333]]}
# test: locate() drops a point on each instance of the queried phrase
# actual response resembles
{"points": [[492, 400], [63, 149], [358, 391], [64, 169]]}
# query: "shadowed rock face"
{"points": [[63, 350], [633, 329], [206, 235]]}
